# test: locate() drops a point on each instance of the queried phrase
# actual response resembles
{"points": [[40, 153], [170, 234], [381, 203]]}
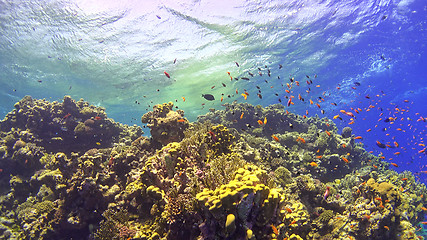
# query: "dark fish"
{"points": [[259, 95], [245, 78], [384, 17], [380, 144], [258, 87], [387, 120], [251, 74], [280, 66], [158, 17], [382, 57], [307, 76], [357, 83], [223, 84], [237, 64], [276, 94], [208, 97]]}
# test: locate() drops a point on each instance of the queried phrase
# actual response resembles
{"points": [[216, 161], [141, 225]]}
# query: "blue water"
{"points": [[114, 55]]}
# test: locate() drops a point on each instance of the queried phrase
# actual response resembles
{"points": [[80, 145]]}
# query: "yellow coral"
{"points": [[244, 192]]}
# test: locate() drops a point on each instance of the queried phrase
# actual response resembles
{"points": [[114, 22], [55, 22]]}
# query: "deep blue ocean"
{"points": [[356, 53]]}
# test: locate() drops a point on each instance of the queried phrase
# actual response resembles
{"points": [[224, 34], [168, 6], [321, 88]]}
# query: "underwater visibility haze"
{"points": [[222, 119]]}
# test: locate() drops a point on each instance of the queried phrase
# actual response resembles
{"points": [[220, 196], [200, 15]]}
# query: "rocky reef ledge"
{"points": [[67, 171]]}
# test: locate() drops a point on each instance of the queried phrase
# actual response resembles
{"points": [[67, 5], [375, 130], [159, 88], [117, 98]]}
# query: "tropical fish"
{"points": [[274, 229], [380, 144], [245, 96], [313, 164], [167, 74], [208, 97], [327, 193], [275, 138]]}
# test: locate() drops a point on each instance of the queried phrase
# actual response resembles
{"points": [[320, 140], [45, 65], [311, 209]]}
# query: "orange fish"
{"points": [[329, 134], [274, 229], [245, 96], [167, 74], [300, 139], [181, 120], [313, 164], [343, 145], [386, 227], [260, 122], [275, 138], [404, 179], [375, 166], [319, 157], [294, 221], [222, 98], [318, 105], [288, 209], [336, 116], [345, 159], [394, 164], [368, 130], [358, 137], [183, 99], [265, 120], [311, 102], [237, 92], [396, 153], [423, 208], [241, 116]]}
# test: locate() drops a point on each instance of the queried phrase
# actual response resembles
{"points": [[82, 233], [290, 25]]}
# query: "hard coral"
{"points": [[253, 205], [165, 124]]}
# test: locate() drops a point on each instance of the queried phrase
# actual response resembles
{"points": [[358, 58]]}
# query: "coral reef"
{"points": [[165, 124], [245, 172]]}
